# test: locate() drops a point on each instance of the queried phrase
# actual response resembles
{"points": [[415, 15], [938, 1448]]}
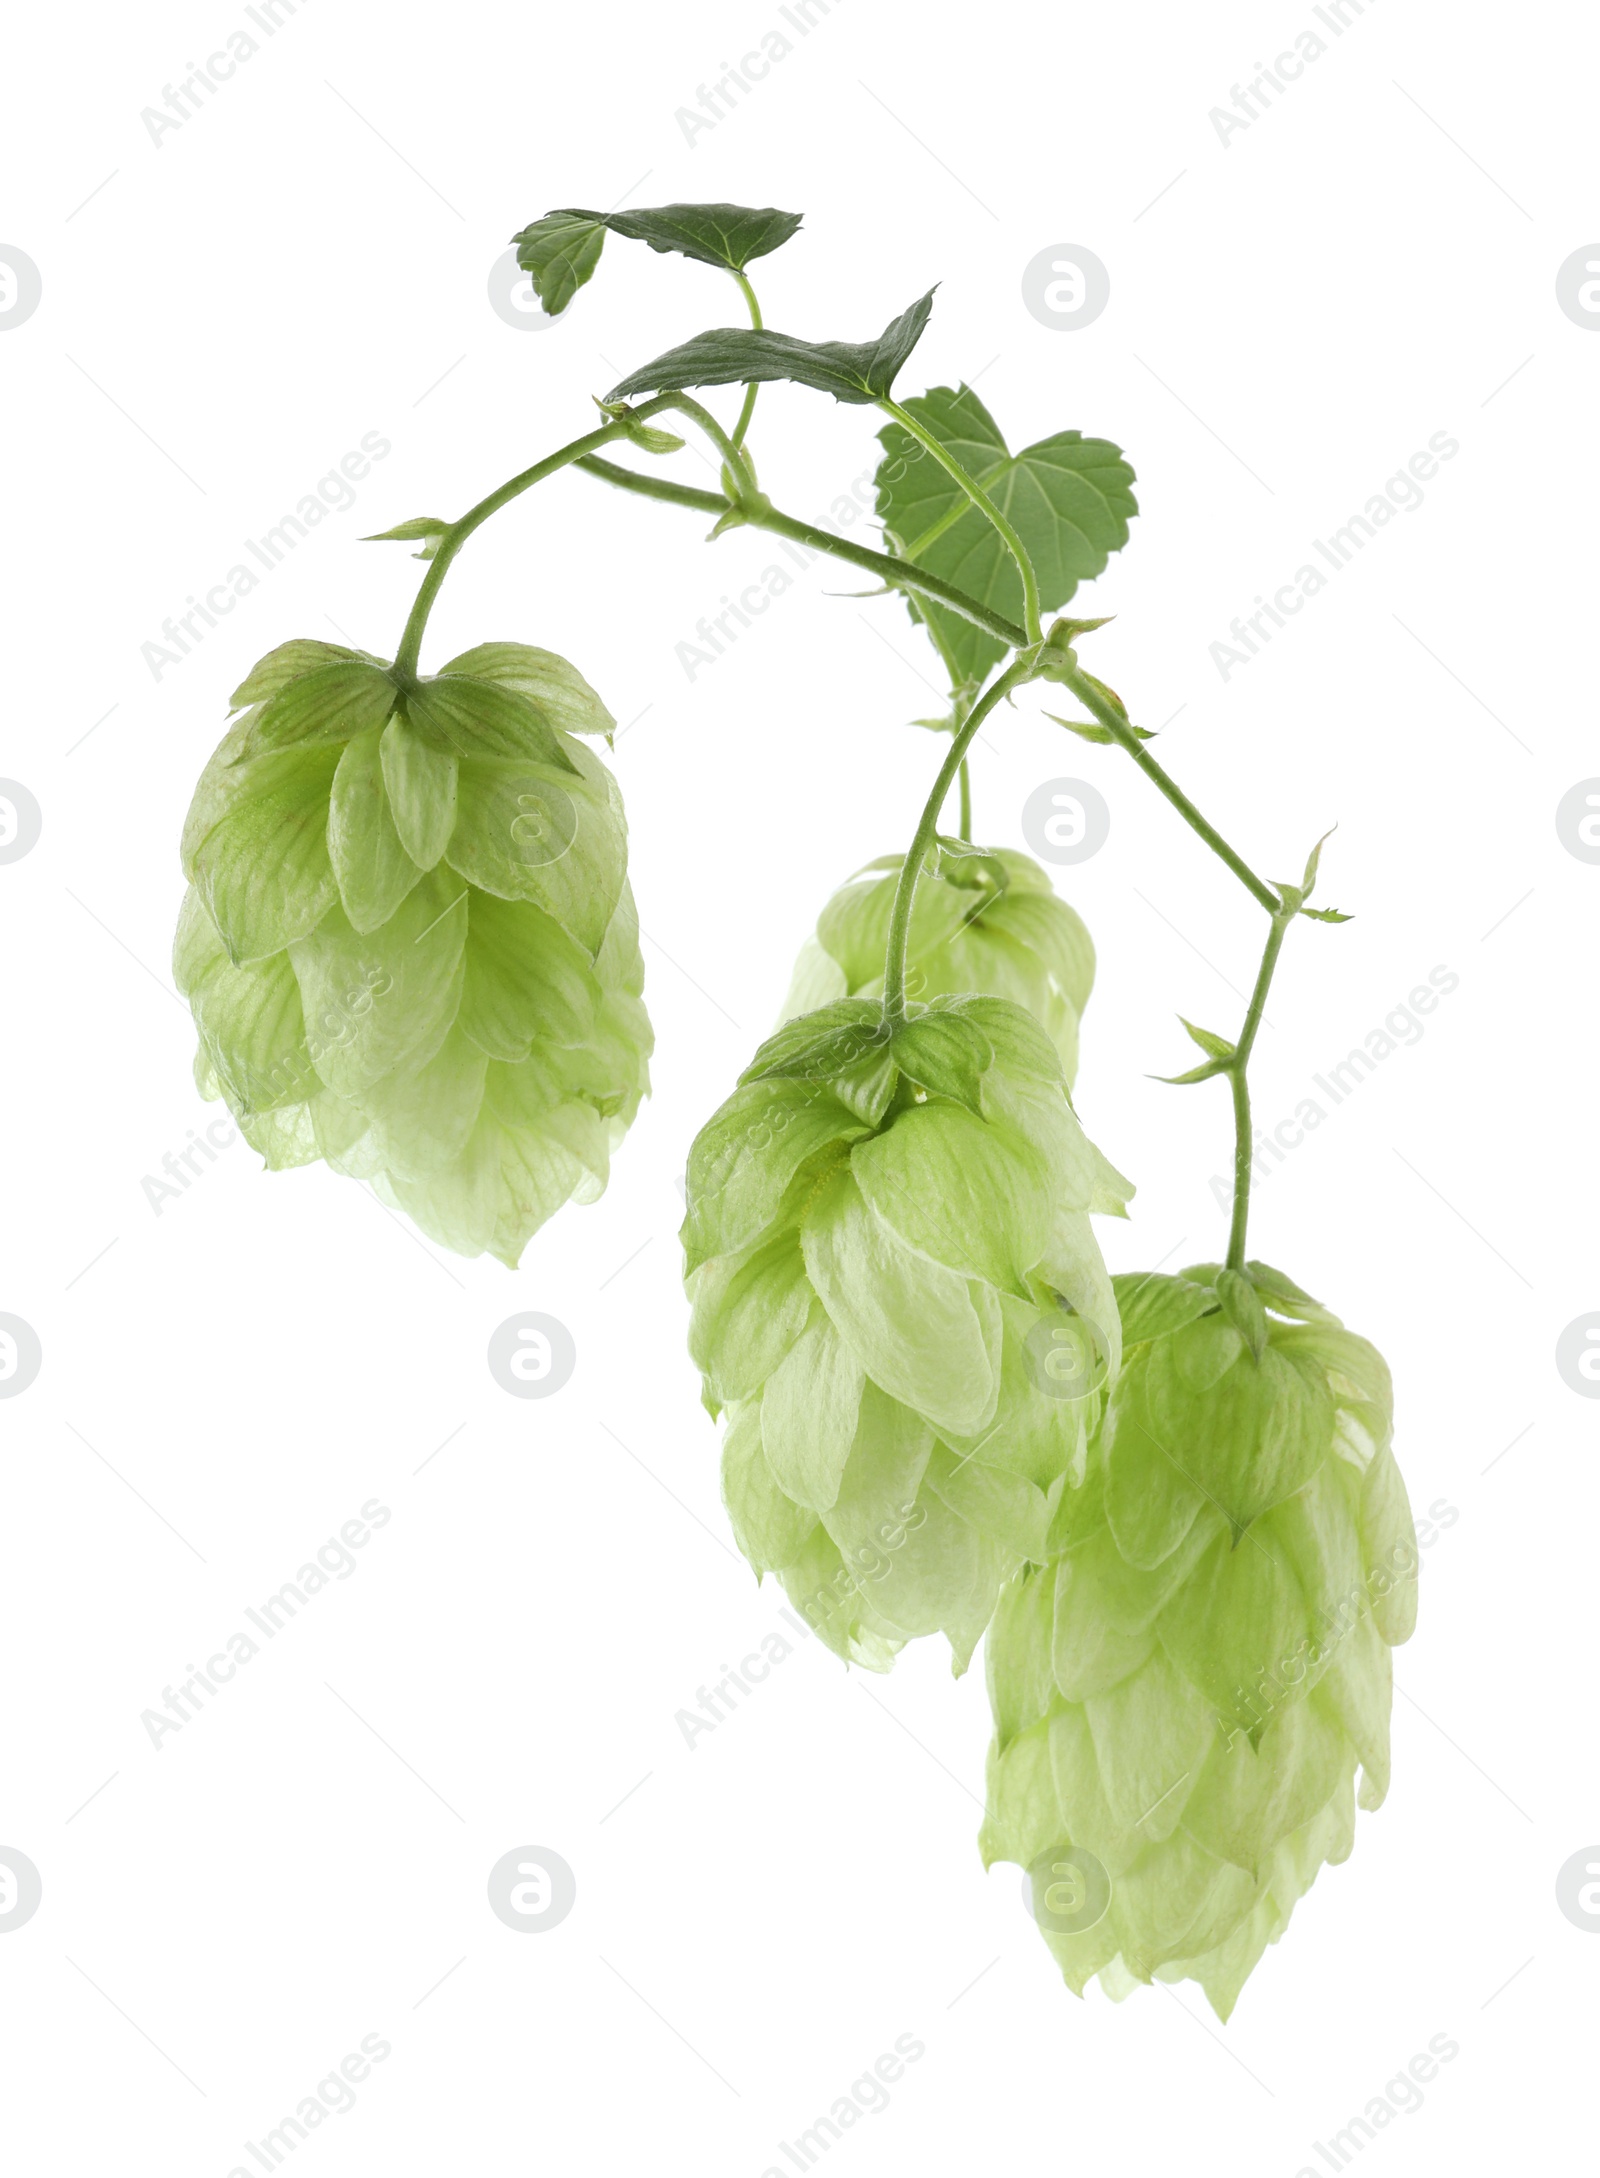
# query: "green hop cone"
{"points": [[900, 1304], [409, 943], [985, 920], [1183, 1695]]}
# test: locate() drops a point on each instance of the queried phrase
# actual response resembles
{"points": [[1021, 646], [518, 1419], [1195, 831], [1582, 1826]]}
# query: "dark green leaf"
{"points": [[858, 371], [559, 253], [1067, 496], [729, 235]]}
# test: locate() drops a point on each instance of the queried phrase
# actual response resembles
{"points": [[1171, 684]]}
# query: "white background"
{"points": [[1292, 315]]}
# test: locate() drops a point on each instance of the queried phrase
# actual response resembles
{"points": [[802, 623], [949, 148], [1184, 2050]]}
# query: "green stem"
{"points": [[966, 800], [894, 967], [1123, 734], [750, 391], [985, 505], [899, 574], [576, 450], [1238, 1073], [734, 460], [656, 487]]}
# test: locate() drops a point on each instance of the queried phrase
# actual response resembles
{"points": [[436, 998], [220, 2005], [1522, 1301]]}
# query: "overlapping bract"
{"points": [[409, 942], [985, 921], [900, 1302], [1186, 1691]]}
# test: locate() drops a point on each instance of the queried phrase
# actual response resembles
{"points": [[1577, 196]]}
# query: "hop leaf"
{"points": [[561, 251], [1187, 1690], [853, 371], [985, 921], [409, 943], [1069, 498], [899, 1302]]}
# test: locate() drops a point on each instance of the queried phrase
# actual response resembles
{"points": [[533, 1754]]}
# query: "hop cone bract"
{"points": [[409, 943], [985, 920], [1183, 1695], [900, 1303]]}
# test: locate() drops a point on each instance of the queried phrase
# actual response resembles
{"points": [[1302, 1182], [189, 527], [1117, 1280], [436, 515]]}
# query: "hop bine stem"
{"points": [[1282, 907], [1032, 632], [750, 391], [894, 967], [1238, 1079], [575, 450], [761, 514]]}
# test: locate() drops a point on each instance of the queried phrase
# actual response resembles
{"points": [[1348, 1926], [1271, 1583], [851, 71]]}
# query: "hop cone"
{"points": [[409, 943], [983, 920], [1182, 1698], [900, 1303]]}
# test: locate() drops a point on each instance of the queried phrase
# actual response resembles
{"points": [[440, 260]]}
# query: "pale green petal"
{"points": [[770, 1528], [1151, 1736], [809, 1407], [927, 1335], [422, 786], [974, 1197], [749, 1309], [386, 1000], [558, 689], [263, 869], [250, 1020], [422, 1118], [374, 871]]}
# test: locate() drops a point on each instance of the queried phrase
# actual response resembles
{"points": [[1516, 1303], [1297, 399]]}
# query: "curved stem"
{"points": [[457, 534], [985, 505], [894, 967], [750, 391], [1123, 734], [574, 451], [655, 487], [1238, 1072], [734, 459], [899, 574], [966, 800]]}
